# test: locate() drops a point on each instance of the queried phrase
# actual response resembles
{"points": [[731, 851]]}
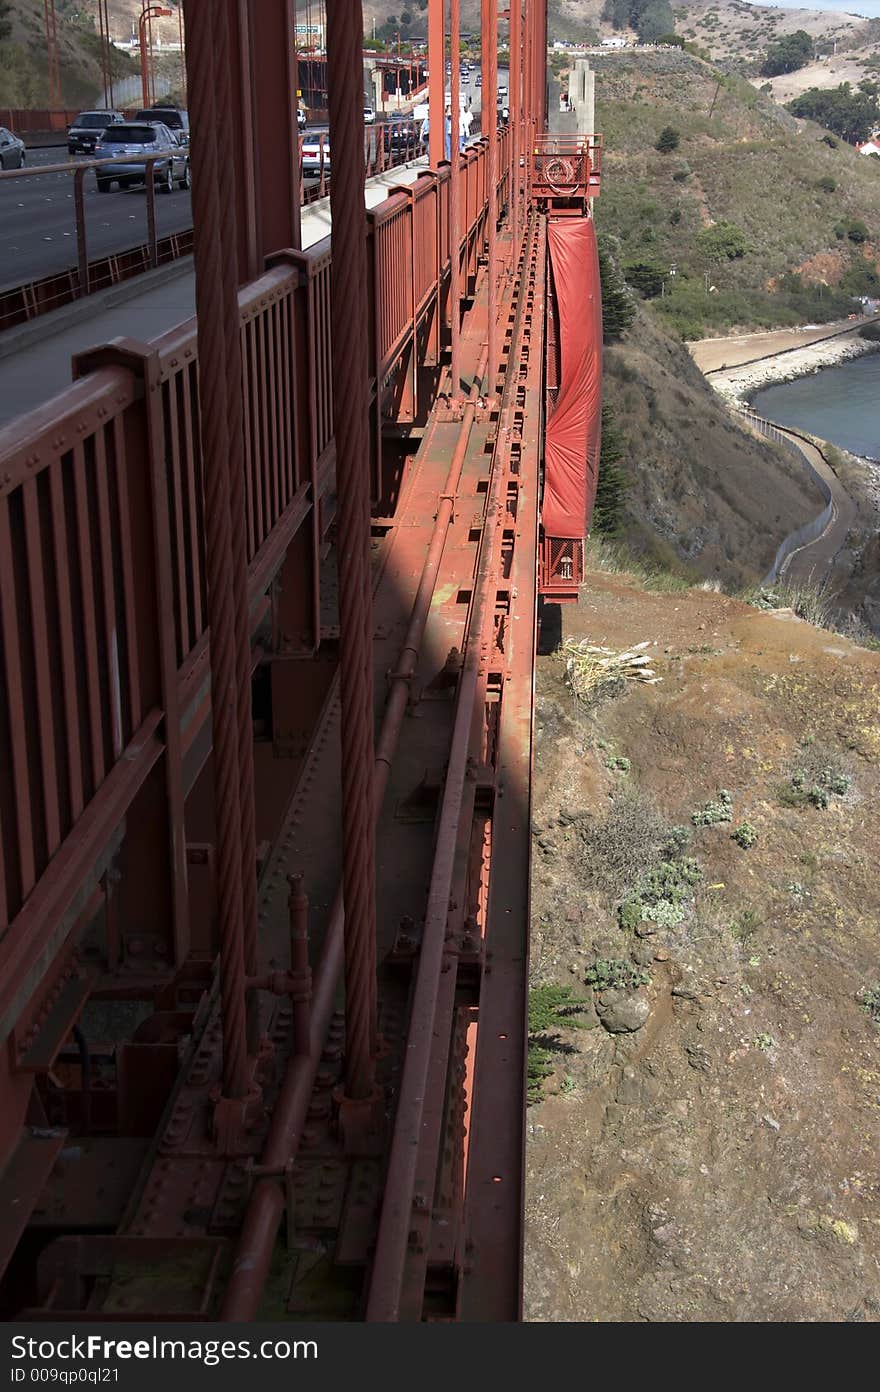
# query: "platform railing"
{"points": [[104, 648]]}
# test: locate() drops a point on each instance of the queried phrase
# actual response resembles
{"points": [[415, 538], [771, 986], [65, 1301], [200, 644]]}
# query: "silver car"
{"points": [[138, 139], [12, 155]]}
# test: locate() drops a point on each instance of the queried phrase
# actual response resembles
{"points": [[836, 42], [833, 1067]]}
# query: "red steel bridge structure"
{"points": [[269, 592]]}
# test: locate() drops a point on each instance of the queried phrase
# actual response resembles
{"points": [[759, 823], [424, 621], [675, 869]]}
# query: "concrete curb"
{"points": [[47, 325]]}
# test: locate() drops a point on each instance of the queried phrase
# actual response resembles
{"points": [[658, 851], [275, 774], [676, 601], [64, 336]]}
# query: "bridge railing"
{"points": [[19, 303], [104, 646]]}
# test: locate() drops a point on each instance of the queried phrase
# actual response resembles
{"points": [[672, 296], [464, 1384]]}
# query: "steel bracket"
{"points": [[285, 1173]]}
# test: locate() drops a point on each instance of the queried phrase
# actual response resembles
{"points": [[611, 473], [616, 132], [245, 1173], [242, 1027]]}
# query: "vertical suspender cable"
{"points": [[206, 58], [350, 420]]}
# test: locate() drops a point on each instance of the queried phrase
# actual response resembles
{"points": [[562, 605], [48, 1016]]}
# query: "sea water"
{"points": [[840, 404]]}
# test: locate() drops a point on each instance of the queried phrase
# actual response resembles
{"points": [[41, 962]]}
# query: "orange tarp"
{"points": [[573, 435]]}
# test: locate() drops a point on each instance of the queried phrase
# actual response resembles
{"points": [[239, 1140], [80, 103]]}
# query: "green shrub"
{"points": [[826, 184], [722, 242], [745, 836], [613, 973], [745, 926], [853, 228], [719, 810], [861, 278], [660, 894], [551, 1007], [646, 277], [813, 786], [870, 998], [668, 140]]}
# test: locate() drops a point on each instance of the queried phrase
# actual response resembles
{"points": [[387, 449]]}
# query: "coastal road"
{"points": [[715, 354], [814, 560]]}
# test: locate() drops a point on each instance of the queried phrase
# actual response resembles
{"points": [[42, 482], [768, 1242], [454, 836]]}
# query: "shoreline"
{"points": [[738, 385]]}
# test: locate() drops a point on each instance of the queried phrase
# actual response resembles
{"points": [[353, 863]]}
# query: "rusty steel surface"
{"points": [[351, 433], [267, 621]]}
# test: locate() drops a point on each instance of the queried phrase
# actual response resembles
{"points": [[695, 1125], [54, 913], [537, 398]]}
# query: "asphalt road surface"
{"points": [[37, 218], [38, 228]]}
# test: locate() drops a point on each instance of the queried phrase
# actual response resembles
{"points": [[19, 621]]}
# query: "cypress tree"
{"points": [[618, 306], [613, 483]]}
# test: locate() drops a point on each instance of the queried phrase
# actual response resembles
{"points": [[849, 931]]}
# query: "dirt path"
{"points": [[715, 354]]}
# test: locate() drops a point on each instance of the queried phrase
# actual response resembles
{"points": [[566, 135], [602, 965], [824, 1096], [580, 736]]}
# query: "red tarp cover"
{"points": [[572, 437]]}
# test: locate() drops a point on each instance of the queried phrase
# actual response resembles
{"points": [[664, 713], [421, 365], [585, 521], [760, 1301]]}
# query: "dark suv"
{"points": [[137, 139], [170, 116], [400, 133], [83, 135]]}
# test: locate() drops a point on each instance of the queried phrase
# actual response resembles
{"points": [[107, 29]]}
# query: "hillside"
{"points": [[733, 29], [704, 495], [749, 198], [24, 79], [705, 1147]]}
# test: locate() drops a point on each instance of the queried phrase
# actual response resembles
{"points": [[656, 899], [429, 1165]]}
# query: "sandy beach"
{"points": [[739, 366]]}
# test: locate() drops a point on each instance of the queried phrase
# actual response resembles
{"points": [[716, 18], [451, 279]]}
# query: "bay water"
{"points": [[839, 404]]}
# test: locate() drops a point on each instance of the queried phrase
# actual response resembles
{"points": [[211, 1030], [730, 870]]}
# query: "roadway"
{"points": [[35, 358], [38, 227], [37, 216]]}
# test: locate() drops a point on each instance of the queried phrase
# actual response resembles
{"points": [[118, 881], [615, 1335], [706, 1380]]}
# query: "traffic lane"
{"points": [[45, 155], [38, 224]]}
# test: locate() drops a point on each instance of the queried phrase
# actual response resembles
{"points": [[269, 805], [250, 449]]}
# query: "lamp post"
{"points": [[145, 26], [182, 59]]}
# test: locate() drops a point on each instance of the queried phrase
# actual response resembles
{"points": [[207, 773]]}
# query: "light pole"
{"points": [[145, 24], [182, 59]]}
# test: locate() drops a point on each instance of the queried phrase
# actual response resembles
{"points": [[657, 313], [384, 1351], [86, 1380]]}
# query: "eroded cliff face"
{"points": [[705, 882], [704, 490]]}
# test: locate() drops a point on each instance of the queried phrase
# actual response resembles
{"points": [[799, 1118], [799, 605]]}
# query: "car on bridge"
{"points": [[138, 140], [170, 116], [399, 132], [369, 115], [87, 129], [312, 157], [12, 153]]}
